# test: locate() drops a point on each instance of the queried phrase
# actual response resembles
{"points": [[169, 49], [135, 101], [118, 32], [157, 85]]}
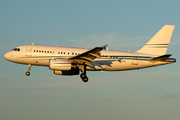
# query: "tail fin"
{"points": [[159, 43]]}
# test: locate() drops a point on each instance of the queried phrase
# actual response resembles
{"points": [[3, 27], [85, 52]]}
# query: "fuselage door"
{"points": [[28, 50], [134, 59]]}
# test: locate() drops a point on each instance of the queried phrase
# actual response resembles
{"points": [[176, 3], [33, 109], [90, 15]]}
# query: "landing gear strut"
{"points": [[83, 74], [29, 68]]}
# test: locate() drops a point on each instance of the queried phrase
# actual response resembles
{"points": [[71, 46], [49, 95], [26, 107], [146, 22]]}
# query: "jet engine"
{"points": [[59, 65]]}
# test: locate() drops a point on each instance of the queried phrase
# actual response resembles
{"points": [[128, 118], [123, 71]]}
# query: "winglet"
{"points": [[105, 47]]}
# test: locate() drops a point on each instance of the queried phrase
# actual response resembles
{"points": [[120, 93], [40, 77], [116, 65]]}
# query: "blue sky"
{"points": [[151, 93]]}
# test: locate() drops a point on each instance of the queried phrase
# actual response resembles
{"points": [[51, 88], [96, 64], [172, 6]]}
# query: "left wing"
{"points": [[87, 57]]}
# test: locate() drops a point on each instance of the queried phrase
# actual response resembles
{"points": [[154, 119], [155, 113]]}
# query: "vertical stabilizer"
{"points": [[159, 43]]}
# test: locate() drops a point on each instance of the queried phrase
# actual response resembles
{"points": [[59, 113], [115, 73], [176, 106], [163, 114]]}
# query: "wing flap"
{"points": [[94, 55], [89, 59]]}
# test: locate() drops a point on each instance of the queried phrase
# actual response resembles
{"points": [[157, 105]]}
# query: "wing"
{"points": [[87, 57]]}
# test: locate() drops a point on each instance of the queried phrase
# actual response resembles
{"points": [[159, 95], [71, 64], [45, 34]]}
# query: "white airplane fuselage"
{"points": [[109, 61]]}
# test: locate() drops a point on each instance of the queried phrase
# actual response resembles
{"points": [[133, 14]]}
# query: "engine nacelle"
{"points": [[69, 72], [59, 65]]}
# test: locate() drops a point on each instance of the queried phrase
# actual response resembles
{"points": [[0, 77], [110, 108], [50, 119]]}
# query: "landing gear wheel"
{"points": [[29, 68], [27, 73], [84, 77]]}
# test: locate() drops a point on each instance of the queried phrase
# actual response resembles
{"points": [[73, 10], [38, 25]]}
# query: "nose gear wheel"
{"points": [[29, 68], [27, 73]]}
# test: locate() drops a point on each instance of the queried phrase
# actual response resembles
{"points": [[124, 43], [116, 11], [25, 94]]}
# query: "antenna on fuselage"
{"points": [[33, 43]]}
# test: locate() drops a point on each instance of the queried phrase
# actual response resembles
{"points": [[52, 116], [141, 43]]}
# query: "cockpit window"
{"points": [[16, 49]]}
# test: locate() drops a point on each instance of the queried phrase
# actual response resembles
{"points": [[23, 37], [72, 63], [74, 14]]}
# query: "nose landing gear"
{"points": [[29, 68]]}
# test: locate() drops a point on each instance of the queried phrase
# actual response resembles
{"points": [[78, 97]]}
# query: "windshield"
{"points": [[16, 49]]}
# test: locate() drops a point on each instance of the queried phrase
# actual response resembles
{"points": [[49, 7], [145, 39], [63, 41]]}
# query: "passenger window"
{"points": [[72, 53], [50, 51], [47, 51], [42, 51], [58, 52], [39, 50], [36, 50]]}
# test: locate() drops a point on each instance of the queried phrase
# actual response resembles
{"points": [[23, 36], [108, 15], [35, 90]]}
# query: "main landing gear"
{"points": [[83, 74], [84, 77], [29, 68]]}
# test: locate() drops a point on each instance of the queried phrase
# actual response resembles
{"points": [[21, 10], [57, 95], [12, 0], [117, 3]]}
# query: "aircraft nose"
{"points": [[7, 56]]}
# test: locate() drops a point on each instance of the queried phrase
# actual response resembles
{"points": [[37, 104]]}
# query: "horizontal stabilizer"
{"points": [[160, 58]]}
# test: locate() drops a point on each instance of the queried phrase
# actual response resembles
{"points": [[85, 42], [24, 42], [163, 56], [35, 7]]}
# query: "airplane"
{"points": [[71, 60]]}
